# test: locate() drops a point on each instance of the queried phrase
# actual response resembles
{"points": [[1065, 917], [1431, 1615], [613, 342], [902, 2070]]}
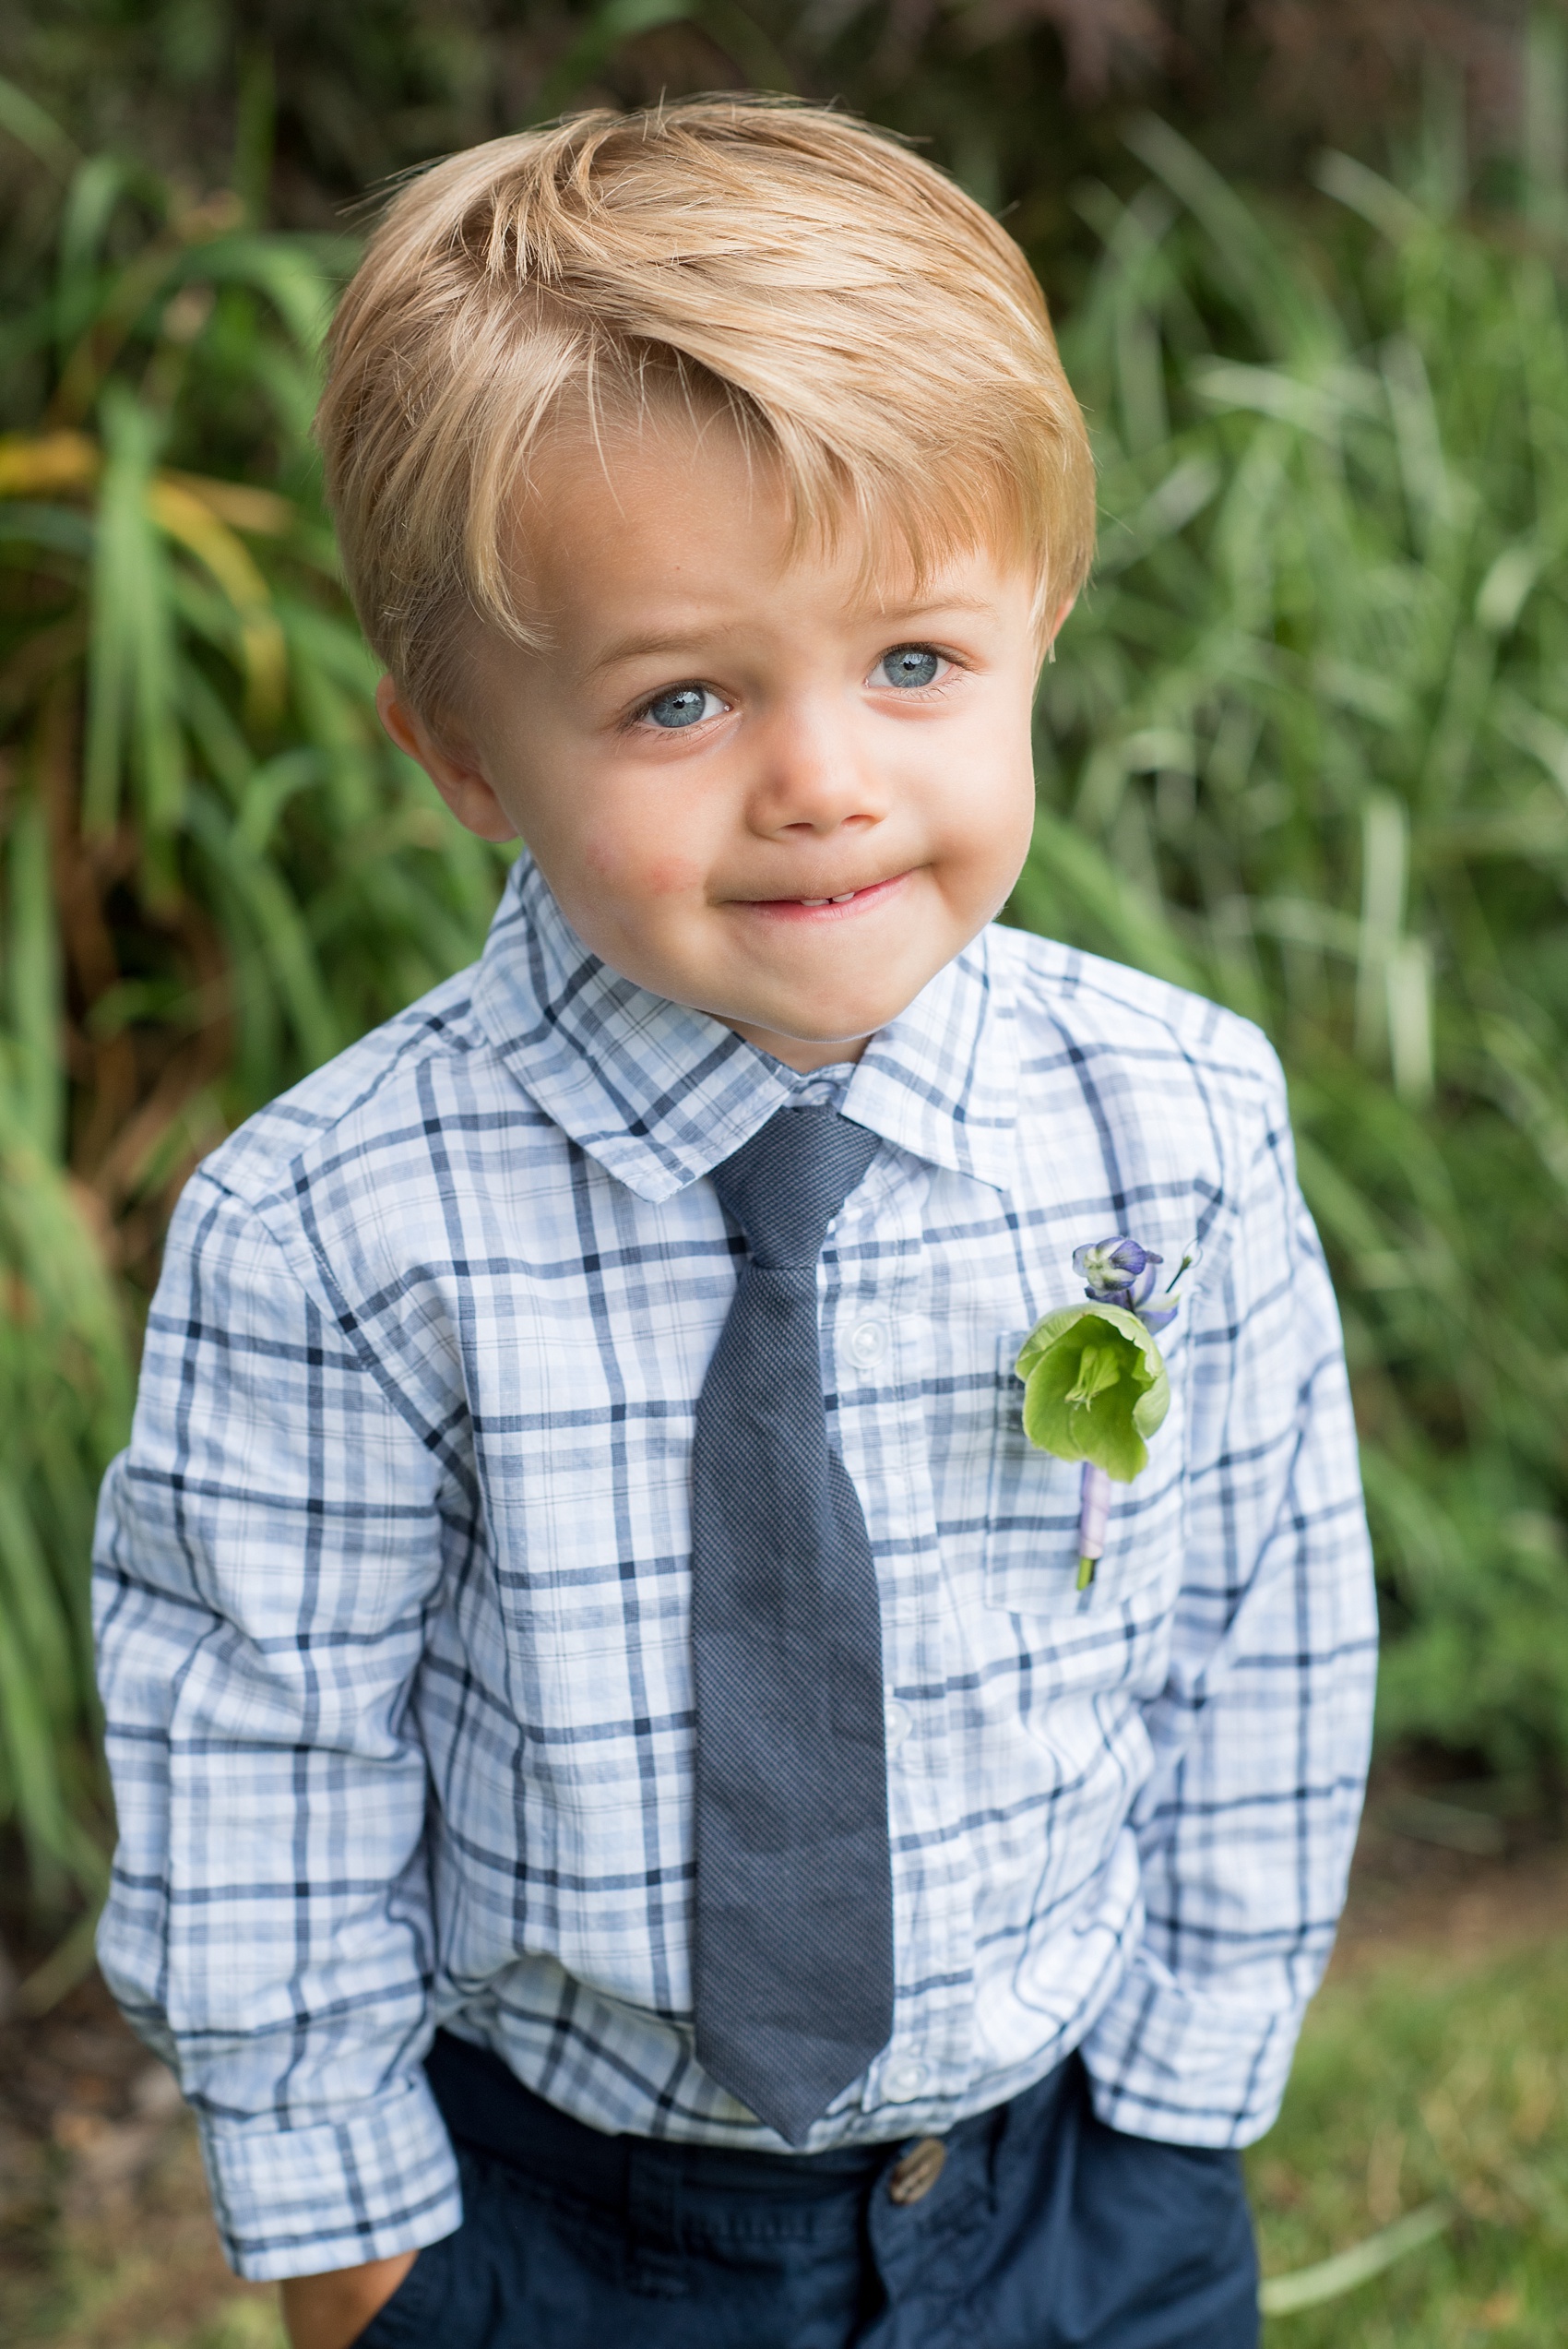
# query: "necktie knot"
{"points": [[785, 1185]]}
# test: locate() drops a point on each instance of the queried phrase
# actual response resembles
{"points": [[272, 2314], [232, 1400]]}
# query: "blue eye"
{"points": [[682, 706], [909, 665]]}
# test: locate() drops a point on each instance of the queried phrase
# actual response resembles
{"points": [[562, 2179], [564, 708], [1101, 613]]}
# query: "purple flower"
{"points": [[1117, 1272]]}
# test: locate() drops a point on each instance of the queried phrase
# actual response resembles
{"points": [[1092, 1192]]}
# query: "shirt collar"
{"points": [[660, 1095]]}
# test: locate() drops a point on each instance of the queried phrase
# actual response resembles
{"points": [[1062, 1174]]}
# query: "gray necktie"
{"points": [[793, 1957]]}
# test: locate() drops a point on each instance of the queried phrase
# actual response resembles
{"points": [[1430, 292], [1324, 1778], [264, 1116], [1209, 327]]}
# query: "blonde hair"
{"points": [[862, 321]]}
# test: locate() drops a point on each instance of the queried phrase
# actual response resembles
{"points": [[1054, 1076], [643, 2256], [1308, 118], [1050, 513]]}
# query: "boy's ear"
{"points": [[1047, 650], [456, 776]]}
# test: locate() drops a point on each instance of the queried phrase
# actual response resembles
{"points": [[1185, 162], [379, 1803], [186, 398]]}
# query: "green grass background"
{"points": [[1416, 2080]]}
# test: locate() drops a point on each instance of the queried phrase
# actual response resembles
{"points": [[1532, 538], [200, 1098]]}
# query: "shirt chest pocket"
{"points": [[1030, 1564]]}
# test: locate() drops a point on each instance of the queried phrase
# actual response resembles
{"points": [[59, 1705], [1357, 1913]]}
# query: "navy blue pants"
{"points": [[1043, 2230]]}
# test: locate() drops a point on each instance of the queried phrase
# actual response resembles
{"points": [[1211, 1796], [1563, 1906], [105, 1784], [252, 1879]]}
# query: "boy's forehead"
{"points": [[647, 538], [604, 470]]}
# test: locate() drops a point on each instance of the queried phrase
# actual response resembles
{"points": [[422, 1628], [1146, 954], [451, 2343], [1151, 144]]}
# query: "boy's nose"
{"points": [[813, 775]]}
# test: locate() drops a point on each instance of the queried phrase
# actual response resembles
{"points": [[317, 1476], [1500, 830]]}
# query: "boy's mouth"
{"points": [[819, 909]]}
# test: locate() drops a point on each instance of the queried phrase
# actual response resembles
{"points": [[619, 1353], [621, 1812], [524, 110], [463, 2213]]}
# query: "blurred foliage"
{"points": [[1305, 747], [310, 107]]}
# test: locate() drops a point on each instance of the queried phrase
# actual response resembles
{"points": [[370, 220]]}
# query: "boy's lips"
{"points": [[821, 909]]}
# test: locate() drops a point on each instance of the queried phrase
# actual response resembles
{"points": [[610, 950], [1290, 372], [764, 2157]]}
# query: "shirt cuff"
{"points": [[1188, 2066], [299, 2201]]}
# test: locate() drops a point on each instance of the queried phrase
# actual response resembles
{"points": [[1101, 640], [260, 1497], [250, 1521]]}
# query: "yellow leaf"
{"points": [[260, 511], [42, 464], [191, 521]]}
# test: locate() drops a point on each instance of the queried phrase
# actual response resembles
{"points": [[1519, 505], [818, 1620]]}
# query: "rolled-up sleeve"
{"points": [[1263, 1729], [268, 1549]]}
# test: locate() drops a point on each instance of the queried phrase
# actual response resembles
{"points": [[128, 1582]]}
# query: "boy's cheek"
{"points": [[633, 869], [980, 847]]}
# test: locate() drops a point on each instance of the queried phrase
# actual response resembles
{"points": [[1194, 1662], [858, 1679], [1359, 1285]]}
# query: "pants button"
{"points": [[918, 2172]]}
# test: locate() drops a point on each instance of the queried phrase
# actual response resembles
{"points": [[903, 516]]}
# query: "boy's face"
{"points": [[754, 786]]}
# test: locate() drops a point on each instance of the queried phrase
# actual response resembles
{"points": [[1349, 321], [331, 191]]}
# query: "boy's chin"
{"points": [[837, 1027]]}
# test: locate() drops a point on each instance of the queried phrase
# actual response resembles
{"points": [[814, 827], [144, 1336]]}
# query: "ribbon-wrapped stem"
{"points": [[1093, 1517]]}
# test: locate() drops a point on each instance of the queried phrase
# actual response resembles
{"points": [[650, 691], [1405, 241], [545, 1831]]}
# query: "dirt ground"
{"points": [[106, 2241], [1457, 1907]]}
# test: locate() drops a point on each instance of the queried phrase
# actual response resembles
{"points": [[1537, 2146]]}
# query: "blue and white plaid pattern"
{"points": [[392, 1582]]}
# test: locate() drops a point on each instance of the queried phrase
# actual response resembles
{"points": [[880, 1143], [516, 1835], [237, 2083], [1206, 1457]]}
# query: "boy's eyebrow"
{"points": [[645, 642], [642, 644], [983, 604]]}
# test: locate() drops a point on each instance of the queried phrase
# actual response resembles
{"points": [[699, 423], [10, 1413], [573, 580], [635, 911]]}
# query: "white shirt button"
{"points": [[903, 2080], [868, 1342], [900, 1720]]}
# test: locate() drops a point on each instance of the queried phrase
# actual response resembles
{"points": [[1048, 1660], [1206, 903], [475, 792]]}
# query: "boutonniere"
{"points": [[1095, 1386]]}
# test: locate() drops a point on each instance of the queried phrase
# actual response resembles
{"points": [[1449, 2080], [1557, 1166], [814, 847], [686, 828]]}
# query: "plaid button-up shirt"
{"points": [[392, 1581]]}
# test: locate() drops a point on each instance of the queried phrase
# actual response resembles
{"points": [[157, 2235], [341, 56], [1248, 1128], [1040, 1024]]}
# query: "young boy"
{"points": [[629, 1828]]}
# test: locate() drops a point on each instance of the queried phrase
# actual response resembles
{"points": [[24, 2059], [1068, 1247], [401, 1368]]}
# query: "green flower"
{"points": [[1094, 1388]]}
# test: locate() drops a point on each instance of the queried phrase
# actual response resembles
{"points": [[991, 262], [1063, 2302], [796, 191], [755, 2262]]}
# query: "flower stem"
{"points": [[1093, 1511]]}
